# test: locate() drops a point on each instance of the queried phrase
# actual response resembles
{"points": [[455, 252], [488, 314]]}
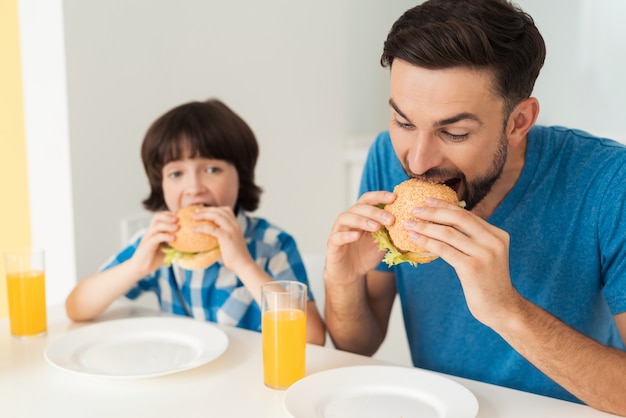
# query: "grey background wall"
{"points": [[304, 74]]}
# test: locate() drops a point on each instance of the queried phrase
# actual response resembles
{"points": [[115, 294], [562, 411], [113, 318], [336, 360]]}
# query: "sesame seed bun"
{"points": [[186, 239], [410, 194], [193, 250]]}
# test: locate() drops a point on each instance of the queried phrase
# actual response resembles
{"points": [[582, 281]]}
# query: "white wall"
{"points": [[47, 140], [304, 75], [582, 83], [95, 74]]}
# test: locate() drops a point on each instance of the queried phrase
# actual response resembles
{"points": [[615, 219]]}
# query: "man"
{"points": [[529, 291]]}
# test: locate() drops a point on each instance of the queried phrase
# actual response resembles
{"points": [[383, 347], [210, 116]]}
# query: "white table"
{"points": [[230, 386]]}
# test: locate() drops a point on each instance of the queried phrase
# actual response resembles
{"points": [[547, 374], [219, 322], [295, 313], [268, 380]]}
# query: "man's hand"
{"points": [[351, 251], [478, 251]]}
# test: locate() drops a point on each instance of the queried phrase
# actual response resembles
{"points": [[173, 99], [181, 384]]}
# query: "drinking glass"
{"points": [[284, 332], [26, 291]]}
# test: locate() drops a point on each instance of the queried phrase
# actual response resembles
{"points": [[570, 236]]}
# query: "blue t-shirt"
{"points": [[566, 216], [216, 293]]}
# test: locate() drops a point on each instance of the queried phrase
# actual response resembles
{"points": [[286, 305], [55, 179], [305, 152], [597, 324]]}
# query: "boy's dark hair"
{"points": [[481, 34], [207, 129]]}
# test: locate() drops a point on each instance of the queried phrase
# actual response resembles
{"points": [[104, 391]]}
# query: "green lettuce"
{"points": [[171, 254], [392, 255]]}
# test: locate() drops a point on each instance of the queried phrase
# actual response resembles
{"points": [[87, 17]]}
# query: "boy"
{"points": [[201, 154]]}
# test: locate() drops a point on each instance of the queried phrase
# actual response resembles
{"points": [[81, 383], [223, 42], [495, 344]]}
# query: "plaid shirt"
{"points": [[216, 294]]}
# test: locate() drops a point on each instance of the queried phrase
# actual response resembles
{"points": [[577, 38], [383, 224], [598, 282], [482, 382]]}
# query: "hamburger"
{"points": [[394, 239], [191, 250]]}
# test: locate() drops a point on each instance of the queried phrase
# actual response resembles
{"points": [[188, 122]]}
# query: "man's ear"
{"points": [[522, 118]]}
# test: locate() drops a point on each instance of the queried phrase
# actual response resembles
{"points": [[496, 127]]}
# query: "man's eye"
{"points": [[456, 137], [402, 125]]}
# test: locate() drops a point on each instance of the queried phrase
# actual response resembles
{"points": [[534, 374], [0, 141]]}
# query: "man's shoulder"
{"points": [[382, 145], [574, 157], [382, 170], [578, 147], [575, 137]]}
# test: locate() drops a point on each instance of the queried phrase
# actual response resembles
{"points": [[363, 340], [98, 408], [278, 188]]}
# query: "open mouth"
{"points": [[453, 183]]}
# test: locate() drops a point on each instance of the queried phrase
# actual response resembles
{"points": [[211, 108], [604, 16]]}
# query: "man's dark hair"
{"points": [[481, 34]]}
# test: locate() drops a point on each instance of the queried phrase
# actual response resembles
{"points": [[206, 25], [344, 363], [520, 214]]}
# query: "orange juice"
{"points": [[27, 303], [284, 347]]}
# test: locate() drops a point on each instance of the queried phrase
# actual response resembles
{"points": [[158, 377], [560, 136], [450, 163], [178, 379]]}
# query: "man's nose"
{"points": [[423, 155]]}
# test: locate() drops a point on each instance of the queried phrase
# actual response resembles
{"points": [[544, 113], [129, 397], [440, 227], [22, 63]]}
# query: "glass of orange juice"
{"points": [[283, 326], [26, 291]]}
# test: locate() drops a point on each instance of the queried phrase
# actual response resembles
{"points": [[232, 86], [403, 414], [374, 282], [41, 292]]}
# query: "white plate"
{"points": [[138, 347], [379, 391]]}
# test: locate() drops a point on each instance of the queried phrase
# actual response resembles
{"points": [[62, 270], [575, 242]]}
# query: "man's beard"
{"points": [[475, 191]]}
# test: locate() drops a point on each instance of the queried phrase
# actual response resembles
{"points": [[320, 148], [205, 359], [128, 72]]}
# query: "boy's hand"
{"points": [[232, 244], [148, 257]]}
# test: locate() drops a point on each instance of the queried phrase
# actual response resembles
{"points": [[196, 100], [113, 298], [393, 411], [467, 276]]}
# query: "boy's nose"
{"points": [[194, 184]]}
